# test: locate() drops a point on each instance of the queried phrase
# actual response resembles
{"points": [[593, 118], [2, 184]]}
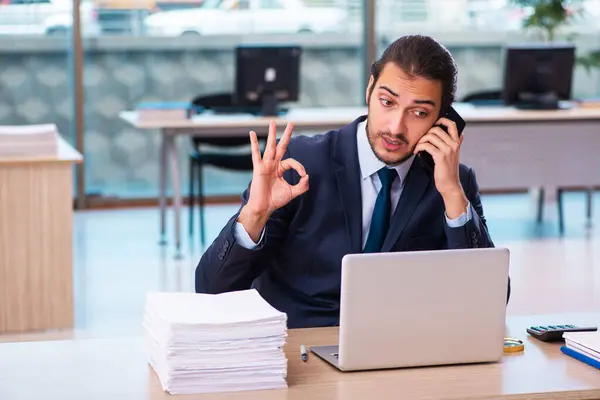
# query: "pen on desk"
{"points": [[303, 353]]}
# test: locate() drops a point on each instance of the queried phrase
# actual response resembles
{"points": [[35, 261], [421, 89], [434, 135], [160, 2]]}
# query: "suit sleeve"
{"points": [[474, 233], [228, 264]]}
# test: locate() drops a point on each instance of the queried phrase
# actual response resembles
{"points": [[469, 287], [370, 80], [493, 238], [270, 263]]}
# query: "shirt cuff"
{"points": [[242, 237], [462, 220]]}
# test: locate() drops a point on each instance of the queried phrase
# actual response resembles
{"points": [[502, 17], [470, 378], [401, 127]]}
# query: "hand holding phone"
{"points": [[460, 123], [439, 150]]}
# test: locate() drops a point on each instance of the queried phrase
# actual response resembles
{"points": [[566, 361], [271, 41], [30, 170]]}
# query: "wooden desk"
{"points": [[509, 148], [116, 368], [36, 235]]}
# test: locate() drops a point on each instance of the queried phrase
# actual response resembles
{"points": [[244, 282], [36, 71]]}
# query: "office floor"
{"points": [[118, 260]]}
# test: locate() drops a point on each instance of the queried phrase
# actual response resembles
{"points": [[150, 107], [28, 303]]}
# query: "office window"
{"points": [[476, 32], [412, 10], [169, 50], [173, 50], [35, 63], [271, 4]]}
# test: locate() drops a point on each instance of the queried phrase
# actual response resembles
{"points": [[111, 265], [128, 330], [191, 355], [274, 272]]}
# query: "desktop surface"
{"points": [[116, 368], [254, 111]]}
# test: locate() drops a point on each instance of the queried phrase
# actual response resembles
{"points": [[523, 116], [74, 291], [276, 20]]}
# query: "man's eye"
{"points": [[421, 114], [385, 102]]}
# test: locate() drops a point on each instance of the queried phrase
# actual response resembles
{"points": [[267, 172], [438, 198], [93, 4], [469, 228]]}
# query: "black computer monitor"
{"points": [[267, 76], [538, 76]]}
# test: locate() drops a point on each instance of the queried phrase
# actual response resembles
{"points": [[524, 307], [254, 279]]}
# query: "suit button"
{"points": [[474, 235], [221, 257], [226, 244]]}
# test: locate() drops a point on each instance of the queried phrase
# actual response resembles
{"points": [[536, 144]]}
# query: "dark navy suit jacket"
{"points": [[297, 265]]}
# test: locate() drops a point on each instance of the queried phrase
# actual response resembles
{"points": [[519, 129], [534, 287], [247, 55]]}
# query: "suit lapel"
{"points": [[347, 174], [417, 182]]}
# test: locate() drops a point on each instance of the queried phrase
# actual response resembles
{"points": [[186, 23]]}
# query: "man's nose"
{"points": [[397, 123]]}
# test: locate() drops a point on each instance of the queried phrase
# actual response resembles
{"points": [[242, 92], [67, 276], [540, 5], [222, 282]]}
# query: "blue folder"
{"points": [[579, 356]]}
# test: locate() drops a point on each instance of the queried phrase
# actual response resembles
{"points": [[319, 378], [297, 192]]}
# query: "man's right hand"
{"points": [[269, 191]]}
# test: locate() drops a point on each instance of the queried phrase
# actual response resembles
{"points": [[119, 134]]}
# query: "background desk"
{"points": [[36, 236], [509, 148], [117, 369]]}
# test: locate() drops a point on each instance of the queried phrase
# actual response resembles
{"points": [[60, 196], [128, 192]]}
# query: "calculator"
{"points": [[554, 333]]}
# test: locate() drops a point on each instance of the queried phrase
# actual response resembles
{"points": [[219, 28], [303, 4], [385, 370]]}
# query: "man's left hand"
{"points": [[445, 149]]}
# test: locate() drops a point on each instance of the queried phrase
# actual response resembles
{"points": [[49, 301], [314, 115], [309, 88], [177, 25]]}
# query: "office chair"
{"points": [[238, 161], [494, 96], [483, 96]]}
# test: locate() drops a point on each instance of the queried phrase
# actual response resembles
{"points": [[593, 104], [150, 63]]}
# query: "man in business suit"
{"points": [[358, 189]]}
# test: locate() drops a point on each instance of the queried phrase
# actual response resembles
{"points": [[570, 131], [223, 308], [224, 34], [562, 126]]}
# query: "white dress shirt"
{"points": [[370, 186]]}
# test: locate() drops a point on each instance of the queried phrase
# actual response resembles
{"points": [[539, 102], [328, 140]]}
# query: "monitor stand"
{"points": [[538, 101], [269, 105]]}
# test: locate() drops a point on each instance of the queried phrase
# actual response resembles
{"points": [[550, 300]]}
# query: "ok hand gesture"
{"points": [[269, 191]]}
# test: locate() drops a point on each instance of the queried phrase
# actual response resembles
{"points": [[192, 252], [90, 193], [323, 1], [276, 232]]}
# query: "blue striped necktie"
{"points": [[380, 222]]}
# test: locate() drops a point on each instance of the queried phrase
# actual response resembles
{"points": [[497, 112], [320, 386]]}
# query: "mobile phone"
{"points": [[452, 115]]}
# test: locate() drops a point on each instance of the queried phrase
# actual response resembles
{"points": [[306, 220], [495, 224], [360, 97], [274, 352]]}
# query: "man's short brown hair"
{"points": [[421, 56]]}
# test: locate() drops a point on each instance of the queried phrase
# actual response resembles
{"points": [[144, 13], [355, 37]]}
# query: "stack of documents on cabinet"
{"points": [[28, 140], [202, 343], [163, 111], [583, 346]]}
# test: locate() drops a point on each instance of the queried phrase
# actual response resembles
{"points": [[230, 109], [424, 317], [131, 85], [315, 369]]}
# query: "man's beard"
{"points": [[372, 137]]}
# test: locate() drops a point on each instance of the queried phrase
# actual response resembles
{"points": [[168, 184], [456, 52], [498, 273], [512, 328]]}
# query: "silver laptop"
{"points": [[421, 308]]}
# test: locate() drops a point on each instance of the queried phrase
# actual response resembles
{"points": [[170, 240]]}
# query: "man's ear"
{"points": [[369, 88]]}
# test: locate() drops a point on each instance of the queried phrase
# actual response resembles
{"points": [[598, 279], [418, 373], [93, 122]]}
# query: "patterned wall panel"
{"points": [[35, 89], [122, 161]]}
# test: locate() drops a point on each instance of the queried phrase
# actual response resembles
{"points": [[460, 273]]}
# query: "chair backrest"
{"points": [[217, 100], [483, 95], [214, 100]]}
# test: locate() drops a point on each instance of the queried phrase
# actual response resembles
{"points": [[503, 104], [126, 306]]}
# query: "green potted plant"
{"points": [[547, 17]]}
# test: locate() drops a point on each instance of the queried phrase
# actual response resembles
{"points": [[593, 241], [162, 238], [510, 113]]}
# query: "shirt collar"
{"points": [[369, 163]]}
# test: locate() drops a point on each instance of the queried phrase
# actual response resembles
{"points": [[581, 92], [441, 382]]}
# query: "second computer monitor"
{"points": [[538, 76], [267, 76]]}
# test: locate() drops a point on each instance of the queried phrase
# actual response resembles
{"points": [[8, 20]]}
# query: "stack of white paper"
{"points": [[201, 343], [586, 343], [28, 140]]}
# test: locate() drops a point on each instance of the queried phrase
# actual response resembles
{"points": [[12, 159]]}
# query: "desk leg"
{"points": [[589, 201], [175, 182], [561, 216], [540, 204], [162, 194], [553, 199]]}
